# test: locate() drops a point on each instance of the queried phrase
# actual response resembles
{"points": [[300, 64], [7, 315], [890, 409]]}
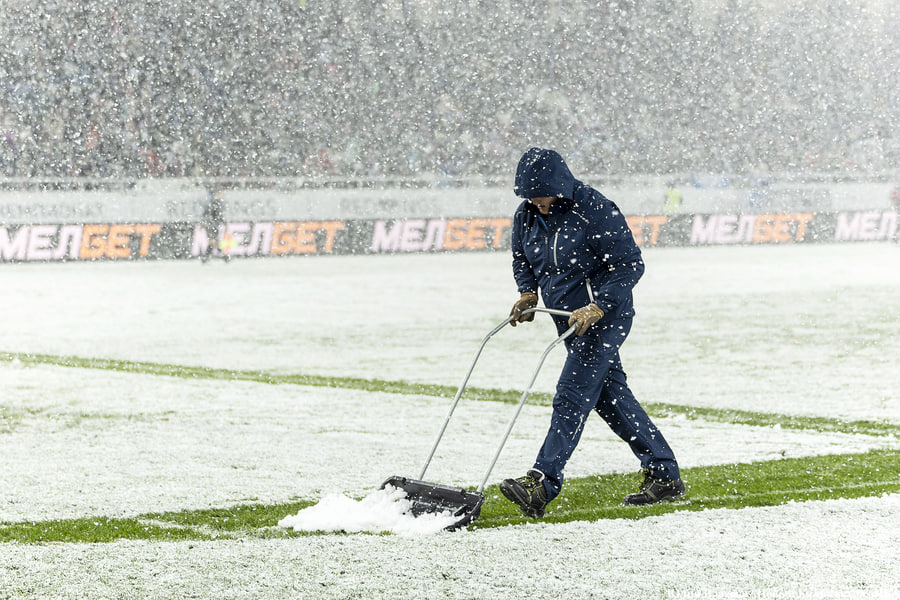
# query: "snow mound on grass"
{"points": [[385, 510]]}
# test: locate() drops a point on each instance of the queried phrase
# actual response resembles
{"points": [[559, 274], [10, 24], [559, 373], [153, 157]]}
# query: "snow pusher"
{"points": [[465, 505]]}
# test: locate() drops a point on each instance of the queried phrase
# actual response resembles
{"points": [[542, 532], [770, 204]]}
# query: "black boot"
{"points": [[527, 492], [656, 490]]}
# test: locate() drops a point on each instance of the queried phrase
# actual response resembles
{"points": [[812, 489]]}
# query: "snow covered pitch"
{"points": [[807, 330]]}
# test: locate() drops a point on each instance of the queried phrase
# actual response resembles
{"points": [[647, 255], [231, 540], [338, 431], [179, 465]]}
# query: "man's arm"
{"points": [[621, 266]]}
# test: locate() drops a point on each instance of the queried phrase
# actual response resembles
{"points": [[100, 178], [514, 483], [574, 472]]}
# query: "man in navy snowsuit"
{"points": [[574, 244]]}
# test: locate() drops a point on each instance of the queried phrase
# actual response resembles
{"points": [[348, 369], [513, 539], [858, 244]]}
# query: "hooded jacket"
{"points": [[582, 251]]}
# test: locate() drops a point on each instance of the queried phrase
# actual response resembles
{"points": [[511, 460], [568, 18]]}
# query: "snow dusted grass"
{"points": [[736, 486], [130, 443], [795, 343], [816, 550]]}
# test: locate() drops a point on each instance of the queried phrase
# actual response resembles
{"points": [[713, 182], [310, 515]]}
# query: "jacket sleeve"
{"points": [[522, 269], [621, 265]]}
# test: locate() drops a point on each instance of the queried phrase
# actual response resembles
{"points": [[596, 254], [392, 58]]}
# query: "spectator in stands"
{"points": [[9, 150], [286, 84]]}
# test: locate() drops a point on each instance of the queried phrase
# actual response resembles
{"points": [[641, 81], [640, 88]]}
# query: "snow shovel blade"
{"points": [[434, 498]]}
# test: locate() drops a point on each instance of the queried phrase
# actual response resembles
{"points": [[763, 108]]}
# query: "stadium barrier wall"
{"points": [[163, 223], [184, 240]]}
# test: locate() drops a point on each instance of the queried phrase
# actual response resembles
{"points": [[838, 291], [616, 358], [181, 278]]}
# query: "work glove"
{"points": [[526, 301], [585, 317]]}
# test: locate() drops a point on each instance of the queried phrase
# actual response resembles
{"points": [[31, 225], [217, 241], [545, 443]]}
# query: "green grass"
{"points": [[732, 416], [731, 486], [734, 486], [95, 530]]}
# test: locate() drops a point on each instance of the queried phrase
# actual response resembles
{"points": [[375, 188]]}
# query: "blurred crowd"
{"points": [[366, 88]]}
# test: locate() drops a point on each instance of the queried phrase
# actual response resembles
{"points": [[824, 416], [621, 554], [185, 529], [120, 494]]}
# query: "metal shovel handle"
{"points": [[522, 400], [465, 382]]}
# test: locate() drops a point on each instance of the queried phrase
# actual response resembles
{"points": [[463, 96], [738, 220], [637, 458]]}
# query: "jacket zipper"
{"points": [[555, 239]]}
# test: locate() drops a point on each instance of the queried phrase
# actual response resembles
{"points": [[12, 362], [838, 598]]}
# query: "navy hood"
{"points": [[543, 174]]}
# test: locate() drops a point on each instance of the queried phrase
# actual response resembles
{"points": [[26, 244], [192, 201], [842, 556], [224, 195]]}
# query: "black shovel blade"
{"points": [[434, 498]]}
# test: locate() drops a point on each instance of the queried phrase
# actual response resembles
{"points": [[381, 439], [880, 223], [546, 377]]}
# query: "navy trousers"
{"points": [[593, 379]]}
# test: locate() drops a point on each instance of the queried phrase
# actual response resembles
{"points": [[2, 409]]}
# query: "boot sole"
{"points": [[511, 494], [665, 498]]}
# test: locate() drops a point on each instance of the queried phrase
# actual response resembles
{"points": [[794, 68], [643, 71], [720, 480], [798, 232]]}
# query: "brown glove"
{"points": [[585, 317], [528, 300]]}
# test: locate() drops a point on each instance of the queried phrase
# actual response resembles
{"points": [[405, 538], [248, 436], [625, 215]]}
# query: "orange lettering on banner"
{"points": [[762, 229], [113, 241], [146, 232], [455, 238], [93, 241], [331, 228], [475, 234], [470, 234], [282, 238], [802, 220], [117, 244], [499, 225], [300, 238], [638, 226], [306, 238], [777, 228]]}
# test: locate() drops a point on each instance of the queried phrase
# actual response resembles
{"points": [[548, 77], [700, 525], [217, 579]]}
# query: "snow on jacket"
{"points": [[582, 251]]}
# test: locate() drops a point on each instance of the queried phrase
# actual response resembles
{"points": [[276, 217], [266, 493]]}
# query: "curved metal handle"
{"points": [[465, 382], [522, 400]]}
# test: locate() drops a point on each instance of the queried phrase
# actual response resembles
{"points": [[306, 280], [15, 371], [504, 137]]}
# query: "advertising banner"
{"points": [[186, 240]]}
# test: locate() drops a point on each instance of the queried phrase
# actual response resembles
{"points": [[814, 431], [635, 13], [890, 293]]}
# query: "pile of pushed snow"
{"points": [[385, 510]]}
